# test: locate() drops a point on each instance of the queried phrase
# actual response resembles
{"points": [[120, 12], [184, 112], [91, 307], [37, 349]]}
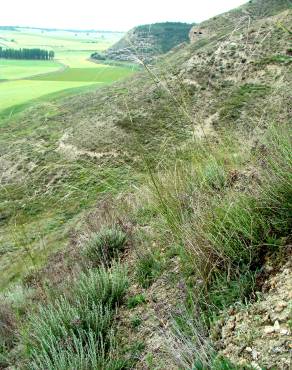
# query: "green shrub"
{"points": [[105, 246], [75, 331]]}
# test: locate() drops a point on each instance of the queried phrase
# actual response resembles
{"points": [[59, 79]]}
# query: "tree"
{"points": [[32, 54]]}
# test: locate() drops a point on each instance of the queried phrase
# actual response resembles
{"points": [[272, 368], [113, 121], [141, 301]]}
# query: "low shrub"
{"points": [[75, 331], [105, 245]]}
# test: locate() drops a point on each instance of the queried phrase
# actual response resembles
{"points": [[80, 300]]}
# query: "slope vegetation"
{"points": [[141, 224]]}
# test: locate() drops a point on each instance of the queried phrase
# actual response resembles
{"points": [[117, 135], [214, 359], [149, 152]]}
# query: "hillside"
{"points": [[146, 225], [147, 41]]}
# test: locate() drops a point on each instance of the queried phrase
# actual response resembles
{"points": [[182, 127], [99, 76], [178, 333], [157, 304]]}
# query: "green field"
{"points": [[16, 69], [24, 81], [102, 74]]}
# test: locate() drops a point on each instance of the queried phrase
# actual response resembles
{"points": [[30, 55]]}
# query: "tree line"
{"points": [[31, 54]]}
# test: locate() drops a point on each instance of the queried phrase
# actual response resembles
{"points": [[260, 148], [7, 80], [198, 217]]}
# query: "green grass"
{"points": [[100, 74], [16, 69], [35, 222], [136, 300], [51, 99], [58, 40], [71, 50], [239, 99], [225, 233], [31, 231], [148, 268], [13, 93]]}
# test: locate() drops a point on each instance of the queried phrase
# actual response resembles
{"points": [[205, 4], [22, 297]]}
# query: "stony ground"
{"points": [[260, 333]]}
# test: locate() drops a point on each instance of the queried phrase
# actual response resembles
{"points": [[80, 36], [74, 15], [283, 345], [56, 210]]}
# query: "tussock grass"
{"points": [[225, 218], [189, 344]]}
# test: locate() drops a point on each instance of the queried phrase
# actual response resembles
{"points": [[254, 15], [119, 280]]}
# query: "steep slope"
{"points": [[147, 41], [253, 10], [184, 174]]}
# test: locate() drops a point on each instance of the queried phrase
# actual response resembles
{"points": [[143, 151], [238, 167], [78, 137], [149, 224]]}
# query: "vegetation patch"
{"points": [[233, 106], [76, 330], [104, 246], [136, 300], [148, 268]]}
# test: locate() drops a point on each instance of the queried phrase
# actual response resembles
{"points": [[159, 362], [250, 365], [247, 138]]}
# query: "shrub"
{"points": [[105, 246], [75, 331]]}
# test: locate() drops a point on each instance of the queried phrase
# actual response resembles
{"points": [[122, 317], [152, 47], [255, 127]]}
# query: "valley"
{"points": [[23, 81]]}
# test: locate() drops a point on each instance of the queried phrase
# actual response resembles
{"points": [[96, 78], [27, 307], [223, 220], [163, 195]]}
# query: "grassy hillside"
{"points": [[147, 41], [140, 223]]}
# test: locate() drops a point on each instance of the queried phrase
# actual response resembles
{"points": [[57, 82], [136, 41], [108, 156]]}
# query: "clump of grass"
{"points": [[18, 298], [136, 321], [75, 331], [213, 175], [224, 290], [136, 300], [105, 245], [188, 344], [226, 233], [148, 268]]}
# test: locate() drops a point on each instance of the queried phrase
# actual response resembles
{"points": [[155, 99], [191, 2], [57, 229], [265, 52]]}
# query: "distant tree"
{"points": [[51, 54], [98, 56], [31, 54]]}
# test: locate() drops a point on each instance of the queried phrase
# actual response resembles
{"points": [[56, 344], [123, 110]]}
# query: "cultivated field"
{"points": [[24, 81]]}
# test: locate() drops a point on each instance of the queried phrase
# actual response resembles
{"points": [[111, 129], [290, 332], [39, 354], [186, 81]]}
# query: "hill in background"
{"points": [[147, 41]]}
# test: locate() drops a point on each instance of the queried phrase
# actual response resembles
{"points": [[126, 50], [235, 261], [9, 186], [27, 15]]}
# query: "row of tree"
{"points": [[31, 54]]}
